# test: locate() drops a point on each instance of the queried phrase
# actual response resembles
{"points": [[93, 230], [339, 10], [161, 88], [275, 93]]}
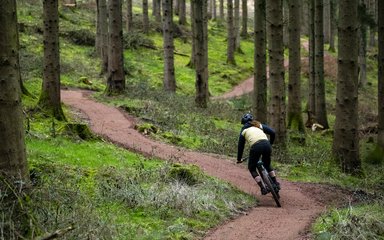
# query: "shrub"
{"points": [[80, 37]]}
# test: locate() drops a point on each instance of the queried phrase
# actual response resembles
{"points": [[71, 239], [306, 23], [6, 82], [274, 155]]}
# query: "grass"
{"points": [[105, 191], [355, 222]]}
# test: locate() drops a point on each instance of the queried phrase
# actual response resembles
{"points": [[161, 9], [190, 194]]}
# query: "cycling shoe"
{"points": [[264, 191]]}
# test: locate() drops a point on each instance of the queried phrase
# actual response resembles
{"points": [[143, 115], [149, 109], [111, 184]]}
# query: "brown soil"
{"points": [[301, 203]]}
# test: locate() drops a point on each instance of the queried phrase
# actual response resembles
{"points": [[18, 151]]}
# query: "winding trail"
{"points": [[266, 221]]}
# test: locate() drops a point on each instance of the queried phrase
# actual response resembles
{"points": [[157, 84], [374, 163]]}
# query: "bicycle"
{"points": [[266, 181]]}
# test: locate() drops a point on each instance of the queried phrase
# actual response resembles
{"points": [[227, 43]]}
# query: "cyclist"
{"points": [[255, 134]]}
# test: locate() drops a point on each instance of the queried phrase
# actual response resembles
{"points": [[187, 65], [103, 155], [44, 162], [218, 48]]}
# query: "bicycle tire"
{"points": [[271, 188]]}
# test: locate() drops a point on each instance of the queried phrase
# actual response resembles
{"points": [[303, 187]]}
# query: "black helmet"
{"points": [[246, 118]]}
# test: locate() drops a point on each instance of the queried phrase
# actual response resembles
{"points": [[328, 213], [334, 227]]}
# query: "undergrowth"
{"points": [[354, 222], [101, 191]]}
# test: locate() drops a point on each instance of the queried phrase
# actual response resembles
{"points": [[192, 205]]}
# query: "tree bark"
{"points": [[260, 72], [305, 18], [362, 37], [214, 10], [244, 29], [321, 110], [201, 42], [231, 37], [169, 81], [191, 63], [145, 17], [182, 15], [327, 20], [50, 98], [311, 108], [13, 161], [295, 119], [158, 10], [102, 27], [98, 34], [285, 22], [346, 140], [276, 69], [332, 9], [115, 75], [129, 16], [237, 25], [380, 58], [362, 55], [221, 9], [372, 30]]}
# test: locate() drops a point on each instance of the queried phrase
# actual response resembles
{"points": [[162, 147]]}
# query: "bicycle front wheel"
{"points": [[268, 182]]}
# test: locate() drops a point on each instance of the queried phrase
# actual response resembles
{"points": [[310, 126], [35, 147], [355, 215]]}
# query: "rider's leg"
{"points": [[272, 174], [254, 155], [263, 190], [267, 163]]}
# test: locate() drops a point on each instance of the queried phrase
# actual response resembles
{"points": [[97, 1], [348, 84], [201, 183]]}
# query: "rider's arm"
{"points": [[240, 146], [270, 132]]}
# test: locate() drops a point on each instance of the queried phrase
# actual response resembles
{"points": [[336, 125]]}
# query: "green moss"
{"points": [[190, 174], [376, 156]]}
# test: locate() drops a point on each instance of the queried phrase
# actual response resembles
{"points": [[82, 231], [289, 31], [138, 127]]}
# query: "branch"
{"points": [[56, 234]]}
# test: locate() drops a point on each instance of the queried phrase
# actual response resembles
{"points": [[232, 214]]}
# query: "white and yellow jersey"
{"points": [[253, 135]]}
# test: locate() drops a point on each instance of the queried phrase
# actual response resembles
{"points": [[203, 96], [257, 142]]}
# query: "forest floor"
{"points": [[301, 202]]}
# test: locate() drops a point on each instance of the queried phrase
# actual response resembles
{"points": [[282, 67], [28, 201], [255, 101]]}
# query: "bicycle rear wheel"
{"points": [[268, 182]]}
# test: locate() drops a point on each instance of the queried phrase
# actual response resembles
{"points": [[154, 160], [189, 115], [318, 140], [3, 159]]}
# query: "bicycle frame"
{"points": [[266, 181]]}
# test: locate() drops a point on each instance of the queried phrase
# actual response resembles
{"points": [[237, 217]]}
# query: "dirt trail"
{"points": [[266, 221], [244, 87]]}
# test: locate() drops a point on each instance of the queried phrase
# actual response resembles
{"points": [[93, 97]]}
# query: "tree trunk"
{"points": [[237, 25], [380, 58], [362, 38], [311, 108], [260, 73], [13, 161], [98, 33], [244, 29], [129, 16], [285, 22], [102, 19], [332, 9], [50, 98], [231, 37], [221, 9], [327, 20], [169, 68], [346, 141], [145, 17], [116, 77], [372, 30], [214, 10], [295, 119], [201, 41], [191, 63], [209, 9], [276, 69], [305, 18], [321, 111], [158, 10], [182, 15], [176, 8], [362, 55]]}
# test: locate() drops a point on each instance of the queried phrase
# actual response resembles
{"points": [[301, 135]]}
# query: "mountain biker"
{"points": [[255, 134]]}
